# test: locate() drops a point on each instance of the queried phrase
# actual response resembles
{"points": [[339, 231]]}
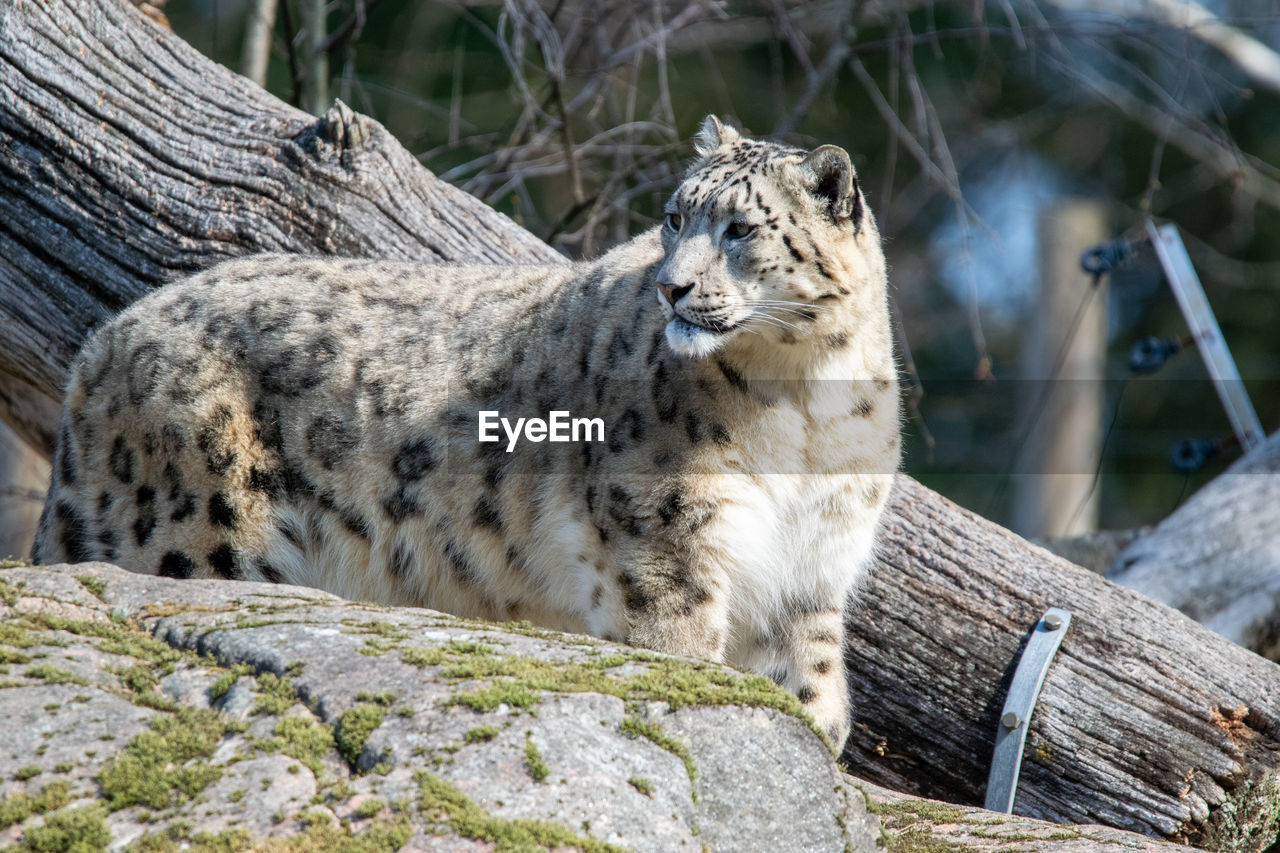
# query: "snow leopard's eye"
{"points": [[674, 221], [738, 230]]}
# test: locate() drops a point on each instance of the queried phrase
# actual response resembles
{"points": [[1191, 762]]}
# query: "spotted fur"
{"points": [[314, 421]]}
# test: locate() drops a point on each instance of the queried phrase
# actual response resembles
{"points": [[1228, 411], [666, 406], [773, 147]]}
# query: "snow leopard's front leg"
{"points": [[676, 607], [803, 651]]}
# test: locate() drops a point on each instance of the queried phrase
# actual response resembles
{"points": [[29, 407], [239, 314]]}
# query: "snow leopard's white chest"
{"points": [[794, 529], [791, 541]]}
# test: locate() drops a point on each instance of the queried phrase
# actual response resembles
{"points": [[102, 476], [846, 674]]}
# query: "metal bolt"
{"points": [[1010, 721], [1052, 622]]}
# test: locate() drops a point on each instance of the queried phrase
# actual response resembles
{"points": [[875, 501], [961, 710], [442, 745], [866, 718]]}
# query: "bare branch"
{"points": [[1227, 162], [947, 181], [818, 81], [1260, 62], [350, 29]]}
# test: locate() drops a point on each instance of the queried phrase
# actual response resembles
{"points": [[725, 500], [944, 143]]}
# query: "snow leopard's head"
{"points": [[764, 240]]}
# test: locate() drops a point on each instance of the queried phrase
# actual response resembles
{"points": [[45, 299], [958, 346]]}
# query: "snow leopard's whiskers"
{"points": [[767, 320], [799, 308]]}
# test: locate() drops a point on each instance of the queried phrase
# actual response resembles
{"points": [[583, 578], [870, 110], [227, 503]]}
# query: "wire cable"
{"points": [[1102, 454]]}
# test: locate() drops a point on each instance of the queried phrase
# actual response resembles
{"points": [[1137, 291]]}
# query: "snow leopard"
{"points": [[322, 422]]}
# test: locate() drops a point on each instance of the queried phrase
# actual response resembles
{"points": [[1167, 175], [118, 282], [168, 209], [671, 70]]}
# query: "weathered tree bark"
{"points": [[125, 158], [1217, 558]]}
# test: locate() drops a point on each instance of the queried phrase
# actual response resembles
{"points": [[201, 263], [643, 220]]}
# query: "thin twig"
{"points": [[818, 81], [348, 29], [909, 141], [566, 138]]}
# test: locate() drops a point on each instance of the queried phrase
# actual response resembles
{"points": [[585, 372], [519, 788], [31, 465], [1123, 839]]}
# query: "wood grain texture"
{"points": [[1138, 725], [1217, 557], [127, 159]]}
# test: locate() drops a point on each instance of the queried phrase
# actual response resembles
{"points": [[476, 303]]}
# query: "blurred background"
{"points": [[996, 140]]}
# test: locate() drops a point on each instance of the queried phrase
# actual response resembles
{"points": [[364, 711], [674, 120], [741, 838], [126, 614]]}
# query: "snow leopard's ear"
{"points": [[713, 134], [829, 177]]}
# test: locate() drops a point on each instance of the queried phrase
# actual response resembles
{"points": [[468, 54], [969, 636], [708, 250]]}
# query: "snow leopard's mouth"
{"points": [[695, 339], [711, 325]]}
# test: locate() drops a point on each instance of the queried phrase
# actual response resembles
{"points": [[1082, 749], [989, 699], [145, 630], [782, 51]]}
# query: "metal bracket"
{"points": [[1011, 733], [1186, 287]]}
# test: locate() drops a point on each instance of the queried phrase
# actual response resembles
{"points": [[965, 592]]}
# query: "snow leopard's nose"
{"points": [[673, 292]]}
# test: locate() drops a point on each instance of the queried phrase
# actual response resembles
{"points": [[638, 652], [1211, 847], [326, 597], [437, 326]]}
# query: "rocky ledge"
{"points": [[151, 714]]}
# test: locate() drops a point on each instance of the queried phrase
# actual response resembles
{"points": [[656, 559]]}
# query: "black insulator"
{"points": [[1150, 354], [1189, 455], [1106, 258]]}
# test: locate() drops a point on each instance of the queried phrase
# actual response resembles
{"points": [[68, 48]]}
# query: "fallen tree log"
{"points": [[1217, 557], [1147, 720], [144, 160]]}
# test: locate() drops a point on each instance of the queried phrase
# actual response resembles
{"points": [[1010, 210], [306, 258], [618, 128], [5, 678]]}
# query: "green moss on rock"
{"points": [[95, 586], [467, 647], [918, 840], [354, 727], [9, 591], [53, 675], [679, 683], [383, 836], [18, 636], [226, 680], [641, 784], [907, 811], [371, 807], [488, 698], [636, 727], [275, 694], [140, 680], [178, 837], [166, 765], [533, 761], [480, 734], [303, 739], [422, 657], [19, 807], [117, 637], [82, 830], [445, 803]]}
